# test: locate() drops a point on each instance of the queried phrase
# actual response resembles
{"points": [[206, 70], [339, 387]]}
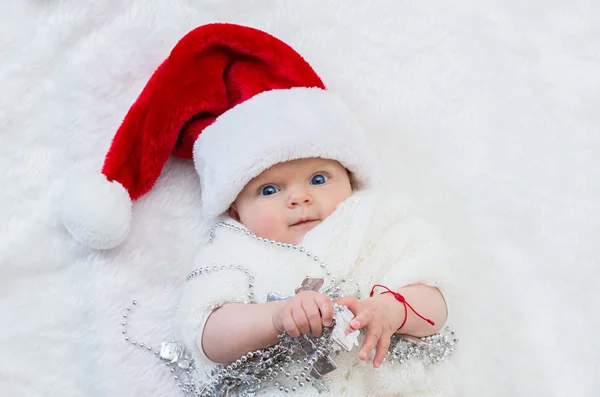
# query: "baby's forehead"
{"points": [[306, 164]]}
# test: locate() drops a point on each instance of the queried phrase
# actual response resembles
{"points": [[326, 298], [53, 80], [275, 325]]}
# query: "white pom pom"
{"points": [[95, 211]]}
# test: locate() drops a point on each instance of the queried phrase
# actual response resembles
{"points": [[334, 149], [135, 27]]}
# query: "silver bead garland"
{"points": [[292, 363], [334, 288]]}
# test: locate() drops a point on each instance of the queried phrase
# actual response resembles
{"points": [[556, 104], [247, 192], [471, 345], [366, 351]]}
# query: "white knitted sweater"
{"points": [[371, 238]]}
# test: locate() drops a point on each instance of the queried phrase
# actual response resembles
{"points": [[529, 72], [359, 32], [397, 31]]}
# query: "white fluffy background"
{"points": [[486, 112]]}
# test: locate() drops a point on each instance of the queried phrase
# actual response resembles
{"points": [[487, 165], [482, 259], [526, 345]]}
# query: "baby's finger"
{"points": [[382, 347], [371, 340], [311, 311], [289, 325], [326, 309], [350, 302], [300, 319], [361, 321]]}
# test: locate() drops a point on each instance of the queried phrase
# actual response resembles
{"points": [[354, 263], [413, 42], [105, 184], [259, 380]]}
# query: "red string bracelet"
{"points": [[400, 299]]}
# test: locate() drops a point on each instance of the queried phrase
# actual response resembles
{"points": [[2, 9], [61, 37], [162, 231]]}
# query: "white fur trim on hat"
{"points": [[273, 127], [96, 212]]}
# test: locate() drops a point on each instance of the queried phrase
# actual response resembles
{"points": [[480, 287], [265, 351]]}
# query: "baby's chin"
{"points": [[290, 238], [292, 235], [297, 232]]}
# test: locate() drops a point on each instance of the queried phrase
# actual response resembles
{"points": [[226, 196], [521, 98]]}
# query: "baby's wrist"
{"points": [[393, 309], [276, 316]]}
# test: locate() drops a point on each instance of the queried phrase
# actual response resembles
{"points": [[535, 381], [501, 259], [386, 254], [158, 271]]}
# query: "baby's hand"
{"points": [[381, 315], [305, 313]]}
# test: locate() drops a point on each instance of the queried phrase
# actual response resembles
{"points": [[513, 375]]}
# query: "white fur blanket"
{"points": [[485, 112]]}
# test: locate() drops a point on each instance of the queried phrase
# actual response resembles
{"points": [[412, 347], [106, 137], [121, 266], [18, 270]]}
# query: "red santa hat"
{"points": [[236, 100]]}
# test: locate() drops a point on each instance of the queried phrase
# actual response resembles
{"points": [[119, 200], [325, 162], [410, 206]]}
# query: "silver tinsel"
{"points": [[292, 363]]}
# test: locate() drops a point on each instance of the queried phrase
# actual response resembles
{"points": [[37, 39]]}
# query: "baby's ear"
{"points": [[232, 212], [351, 179]]}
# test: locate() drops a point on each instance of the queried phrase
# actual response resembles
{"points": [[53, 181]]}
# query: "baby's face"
{"points": [[289, 199]]}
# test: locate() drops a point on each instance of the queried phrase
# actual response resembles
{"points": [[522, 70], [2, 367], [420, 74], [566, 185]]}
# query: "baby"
{"points": [[284, 203], [310, 204], [305, 241]]}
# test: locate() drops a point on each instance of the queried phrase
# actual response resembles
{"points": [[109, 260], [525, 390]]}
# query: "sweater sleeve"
{"points": [[408, 250], [416, 255], [203, 294]]}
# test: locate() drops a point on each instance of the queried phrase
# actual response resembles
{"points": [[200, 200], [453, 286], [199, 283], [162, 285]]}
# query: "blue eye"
{"points": [[268, 190], [318, 179]]}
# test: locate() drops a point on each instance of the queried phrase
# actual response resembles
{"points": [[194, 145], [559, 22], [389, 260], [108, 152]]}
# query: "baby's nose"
{"points": [[299, 196]]}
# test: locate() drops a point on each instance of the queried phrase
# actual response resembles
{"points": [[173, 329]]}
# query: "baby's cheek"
{"points": [[268, 226], [332, 206]]}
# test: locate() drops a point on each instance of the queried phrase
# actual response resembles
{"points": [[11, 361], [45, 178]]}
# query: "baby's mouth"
{"points": [[306, 222]]}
